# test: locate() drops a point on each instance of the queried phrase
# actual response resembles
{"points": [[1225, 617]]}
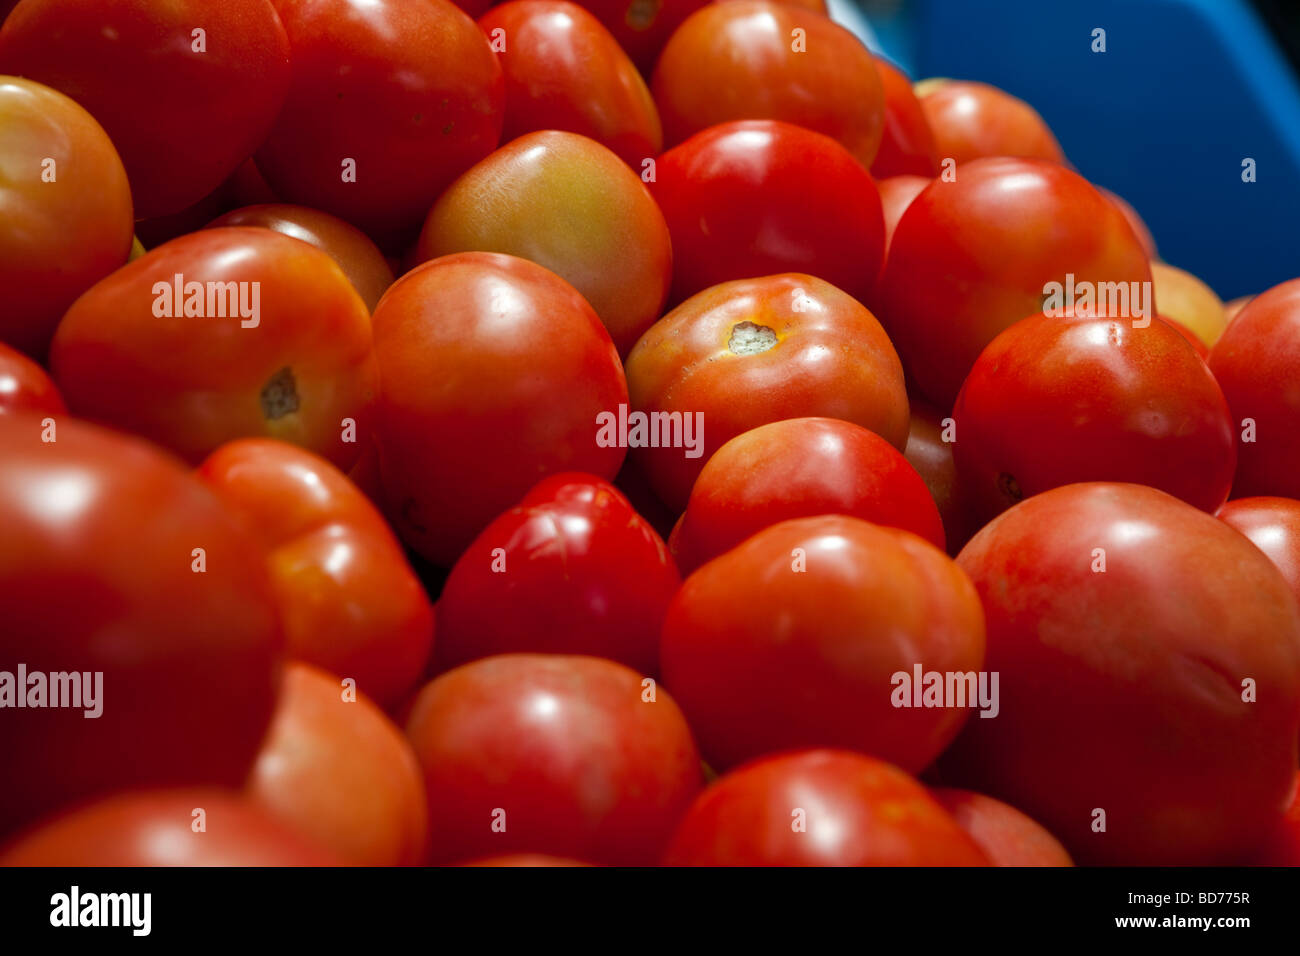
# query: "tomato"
{"points": [[543, 753], [1197, 345], [753, 351], [1053, 401], [742, 60], [25, 387], [571, 570], [565, 71], [1230, 309], [1273, 525], [798, 468], [1131, 631], [67, 210], [759, 197], [819, 808], [184, 108], [569, 204], [389, 102], [896, 194], [907, 146], [972, 120], [358, 257], [642, 27], [195, 827], [815, 627], [349, 601], [929, 450], [970, 258], [1256, 362], [1007, 836], [523, 368], [98, 561], [338, 771], [280, 346], [1282, 847], [1136, 222], [1183, 298]]}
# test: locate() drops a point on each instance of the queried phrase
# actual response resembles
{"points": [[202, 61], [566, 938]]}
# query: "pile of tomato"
{"points": [[619, 433]]}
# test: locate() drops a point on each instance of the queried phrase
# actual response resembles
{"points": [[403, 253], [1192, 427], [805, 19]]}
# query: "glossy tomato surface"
{"points": [[1273, 526], [1007, 836], [25, 386], [971, 120], [896, 194], [907, 146]]}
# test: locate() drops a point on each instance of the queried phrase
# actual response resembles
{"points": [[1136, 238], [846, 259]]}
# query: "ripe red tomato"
{"points": [[819, 808], [1169, 681], [642, 28], [571, 570], [569, 204], [1256, 362], [349, 601], [523, 368], [1273, 525], [760, 197], [1052, 401], [929, 450], [143, 69], [907, 146], [753, 351], [970, 258], [1282, 846], [816, 627], [1007, 836], [389, 102], [972, 120], [896, 194], [799, 468], [67, 210], [25, 387], [1136, 222], [99, 574], [544, 753], [341, 773], [565, 71], [754, 59]]}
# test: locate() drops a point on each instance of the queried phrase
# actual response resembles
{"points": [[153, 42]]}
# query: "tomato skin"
{"points": [[642, 28], [58, 238], [1135, 221], [799, 468], [25, 386], [1185, 610], [524, 367], [95, 575], [132, 64], [1273, 526], [349, 601], [1184, 299], [760, 197], [1255, 363], [578, 572], [735, 61], [932, 457], [155, 828], [564, 71], [411, 91], [907, 146], [1007, 836], [833, 622], [1052, 401], [753, 351], [193, 383], [970, 258], [1282, 846], [580, 764], [860, 811], [972, 120], [896, 194], [341, 773]]}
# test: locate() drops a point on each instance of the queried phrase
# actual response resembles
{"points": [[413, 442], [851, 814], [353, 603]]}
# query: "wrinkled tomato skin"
{"points": [[858, 811], [1273, 526], [971, 120], [1007, 836], [297, 371], [567, 752], [26, 387], [1185, 610], [760, 197], [571, 570], [907, 146], [642, 28], [932, 457]]}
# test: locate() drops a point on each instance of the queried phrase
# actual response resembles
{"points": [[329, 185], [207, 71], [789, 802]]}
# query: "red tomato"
{"points": [[759, 197], [186, 89], [349, 601], [1053, 401], [1136, 222], [67, 210], [1193, 340], [1273, 525], [815, 628], [1282, 847], [569, 204], [338, 771], [929, 450], [972, 120], [798, 468], [754, 351], [819, 808], [743, 60], [523, 368], [99, 575], [907, 146], [571, 570], [162, 828], [1007, 836], [543, 753], [280, 346], [1256, 363], [25, 387], [1124, 690], [565, 71], [390, 100], [896, 194], [640, 27], [970, 258]]}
